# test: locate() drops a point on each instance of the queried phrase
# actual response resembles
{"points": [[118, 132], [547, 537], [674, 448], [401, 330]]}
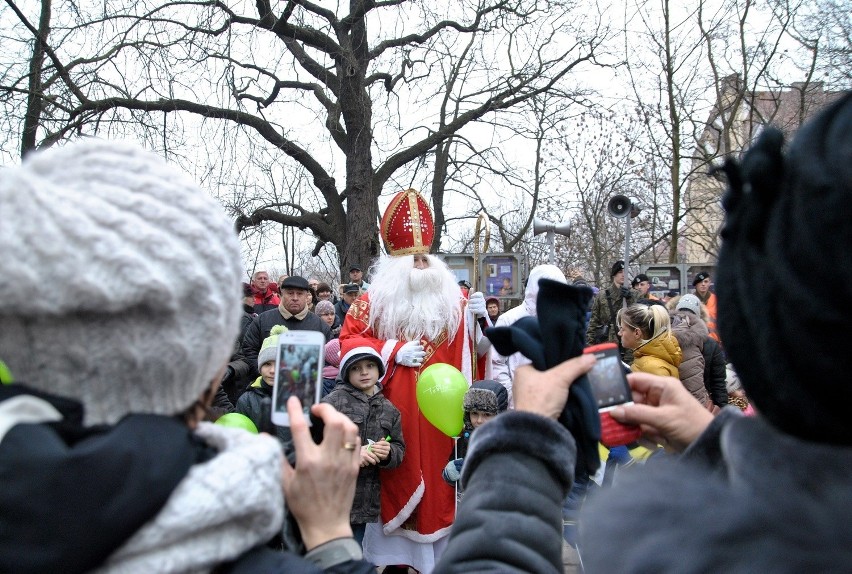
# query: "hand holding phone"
{"points": [[610, 389], [298, 372]]}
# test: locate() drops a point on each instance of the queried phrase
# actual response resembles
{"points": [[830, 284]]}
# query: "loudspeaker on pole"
{"points": [[541, 226], [619, 206]]}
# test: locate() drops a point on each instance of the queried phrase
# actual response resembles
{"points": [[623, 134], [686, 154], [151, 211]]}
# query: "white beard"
{"points": [[409, 304]]}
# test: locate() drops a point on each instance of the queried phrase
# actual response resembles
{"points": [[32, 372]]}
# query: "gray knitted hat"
{"points": [[149, 268], [690, 302]]}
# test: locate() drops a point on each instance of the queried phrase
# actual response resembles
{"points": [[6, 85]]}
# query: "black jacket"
{"points": [[714, 372], [238, 373], [262, 325], [70, 495], [250, 404], [376, 418], [340, 310]]}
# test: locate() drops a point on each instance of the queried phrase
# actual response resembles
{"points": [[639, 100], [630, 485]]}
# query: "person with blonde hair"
{"points": [[646, 329]]}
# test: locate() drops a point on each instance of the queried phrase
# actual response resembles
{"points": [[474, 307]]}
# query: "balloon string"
{"points": [[456, 484]]}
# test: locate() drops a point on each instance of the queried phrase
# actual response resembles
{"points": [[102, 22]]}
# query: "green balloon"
{"points": [[440, 396], [237, 421], [5, 374]]}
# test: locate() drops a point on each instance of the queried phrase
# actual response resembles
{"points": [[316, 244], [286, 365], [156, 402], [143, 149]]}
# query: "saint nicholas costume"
{"points": [[417, 506]]}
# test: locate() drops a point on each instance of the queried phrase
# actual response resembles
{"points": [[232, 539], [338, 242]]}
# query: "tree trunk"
{"points": [[360, 244], [439, 182], [674, 170], [35, 98]]}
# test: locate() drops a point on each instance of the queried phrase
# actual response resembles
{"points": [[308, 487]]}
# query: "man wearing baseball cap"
{"points": [[356, 275], [708, 298], [351, 291]]}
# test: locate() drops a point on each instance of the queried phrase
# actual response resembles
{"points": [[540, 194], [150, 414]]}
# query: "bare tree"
{"points": [[303, 80], [823, 29], [750, 60], [504, 184], [697, 49], [601, 154], [35, 102]]}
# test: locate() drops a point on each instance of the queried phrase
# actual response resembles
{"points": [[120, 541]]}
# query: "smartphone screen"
{"points": [[610, 389], [609, 385], [298, 373]]}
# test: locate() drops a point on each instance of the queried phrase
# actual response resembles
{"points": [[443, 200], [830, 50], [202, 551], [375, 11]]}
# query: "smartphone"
{"points": [[610, 389], [298, 372]]}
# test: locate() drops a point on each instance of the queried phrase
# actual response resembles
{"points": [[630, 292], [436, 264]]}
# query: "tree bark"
{"points": [[35, 97]]}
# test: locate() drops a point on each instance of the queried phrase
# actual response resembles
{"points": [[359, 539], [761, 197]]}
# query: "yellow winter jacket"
{"points": [[659, 356]]}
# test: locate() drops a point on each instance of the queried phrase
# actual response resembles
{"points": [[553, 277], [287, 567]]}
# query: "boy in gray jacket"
{"points": [[358, 395]]}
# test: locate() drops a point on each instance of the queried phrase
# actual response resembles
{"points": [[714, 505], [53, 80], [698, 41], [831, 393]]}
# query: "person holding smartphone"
{"points": [[105, 462], [767, 493]]}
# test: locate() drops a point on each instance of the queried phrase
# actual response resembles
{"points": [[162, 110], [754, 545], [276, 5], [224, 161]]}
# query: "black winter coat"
{"points": [[262, 325], [714, 372], [238, 373], [340, 310], [250, 404], [376, 418]]}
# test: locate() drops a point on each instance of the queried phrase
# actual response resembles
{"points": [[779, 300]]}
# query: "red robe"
{"points": [[414, 496]]}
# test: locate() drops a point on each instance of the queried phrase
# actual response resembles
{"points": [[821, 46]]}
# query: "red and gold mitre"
{"points": [[407, 225]]}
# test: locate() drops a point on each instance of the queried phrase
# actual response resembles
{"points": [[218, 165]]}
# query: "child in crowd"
{"points": [[358, 395], [251, 402], [331, 366], [325, 310], [736, 394], [483, 401]]}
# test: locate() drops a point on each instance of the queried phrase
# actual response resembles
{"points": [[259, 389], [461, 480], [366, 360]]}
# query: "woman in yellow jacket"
{"points": [[647, 330]]}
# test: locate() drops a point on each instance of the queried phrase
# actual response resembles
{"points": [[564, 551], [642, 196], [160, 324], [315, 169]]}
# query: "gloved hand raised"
{"points": [[476, 304], [452, 471], [411, 354]]}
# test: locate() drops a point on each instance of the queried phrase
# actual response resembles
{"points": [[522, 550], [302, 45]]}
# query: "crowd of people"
{"points": [[110, 460]]}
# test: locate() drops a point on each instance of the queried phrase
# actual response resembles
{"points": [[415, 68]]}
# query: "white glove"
{"points": [[476, 304], [411, 354]]}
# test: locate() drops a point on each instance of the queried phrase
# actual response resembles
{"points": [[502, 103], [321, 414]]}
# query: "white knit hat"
{"points": [[119, 280]]}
